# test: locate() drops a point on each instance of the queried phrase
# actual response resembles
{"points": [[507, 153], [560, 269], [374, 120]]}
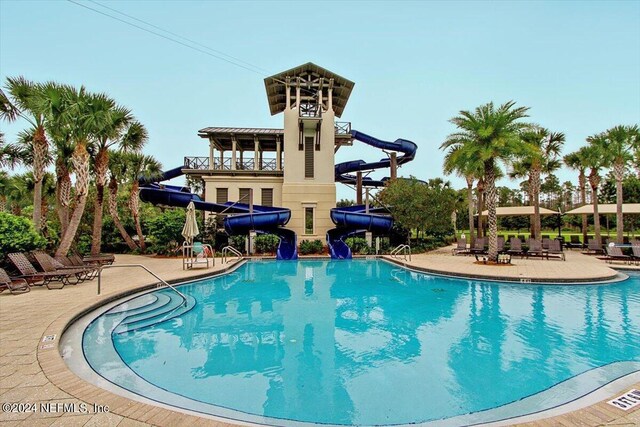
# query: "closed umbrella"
{"points": [[190, 229]]}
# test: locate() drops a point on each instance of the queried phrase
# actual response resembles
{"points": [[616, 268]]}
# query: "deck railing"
{"points": [[202, 163], [343, 128]]}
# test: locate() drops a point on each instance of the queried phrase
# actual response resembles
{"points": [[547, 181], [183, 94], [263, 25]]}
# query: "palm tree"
{"points": [[117, 172], [489, 135], [84, 119], [455, 161], [576, 161], [140, 165], [28, 97], [111, 132], [619, 143], [543, 157], [593, 155]]}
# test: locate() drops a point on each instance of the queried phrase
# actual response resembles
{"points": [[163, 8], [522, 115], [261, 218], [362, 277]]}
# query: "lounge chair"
{"points": [[574, 243], [500, 244], [29, 273], [515, 247], [614, 253], [555, 248], [15, 286], [50, 265], [636, 253], [594, 246], [478, 246], [76, 262], [101, 259], [545, 242], [536, 249], [461, 247]]}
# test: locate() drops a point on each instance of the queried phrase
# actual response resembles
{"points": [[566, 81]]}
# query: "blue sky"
{"points": [[415, 64]]}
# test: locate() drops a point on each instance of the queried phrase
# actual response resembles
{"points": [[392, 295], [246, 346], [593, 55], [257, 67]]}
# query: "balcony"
{"points": [[224, 164]]}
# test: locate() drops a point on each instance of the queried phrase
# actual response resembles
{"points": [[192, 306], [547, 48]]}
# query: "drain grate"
{"points": [[629, 400]]}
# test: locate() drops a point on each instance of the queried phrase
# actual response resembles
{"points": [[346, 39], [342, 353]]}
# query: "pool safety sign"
{"points": [[629, 400]]}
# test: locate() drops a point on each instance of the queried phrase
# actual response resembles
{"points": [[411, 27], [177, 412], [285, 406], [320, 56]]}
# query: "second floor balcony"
{"points": [[226, 164]]}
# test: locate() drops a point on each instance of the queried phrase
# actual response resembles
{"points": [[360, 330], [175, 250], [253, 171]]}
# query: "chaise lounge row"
{"points": [[536, 248]]}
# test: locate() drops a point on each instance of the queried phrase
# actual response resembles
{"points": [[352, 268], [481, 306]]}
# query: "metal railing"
{"points": [[343, 128], [202, 163], [309, 109], [199, 163], [184, 298], [231, 249], [404, 249]]}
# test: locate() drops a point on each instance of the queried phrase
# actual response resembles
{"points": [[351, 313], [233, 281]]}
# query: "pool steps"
{"points": [[167, 306]]}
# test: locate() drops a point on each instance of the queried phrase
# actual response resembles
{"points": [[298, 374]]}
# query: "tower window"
{"points": [[308, 157], [222, 195], [308, 221], [244, 195]]}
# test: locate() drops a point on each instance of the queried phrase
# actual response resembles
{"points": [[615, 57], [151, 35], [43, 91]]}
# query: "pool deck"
{"points": [[33, 372]]}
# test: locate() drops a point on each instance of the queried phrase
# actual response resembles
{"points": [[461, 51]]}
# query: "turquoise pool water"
{"points": [[363, 342]]}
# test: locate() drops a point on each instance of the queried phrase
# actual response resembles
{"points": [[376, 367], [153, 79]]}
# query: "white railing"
{"points": [[230, 249], [191, 258], [184, 298], [401, 249]]}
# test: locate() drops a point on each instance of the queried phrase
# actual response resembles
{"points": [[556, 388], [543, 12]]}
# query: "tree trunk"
{"points": [[470, 199], [594, 180], [582, 182], [113, 210], [3, 203], [134, 204], [618, 172], [480, 188], [80, 160], [40, 151], [490, 195], [63, 194], [535, 193], [101, 167]]}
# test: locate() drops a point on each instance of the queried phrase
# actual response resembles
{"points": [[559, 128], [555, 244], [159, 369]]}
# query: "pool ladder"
{"points": [[401, 249], [230, 250], [161, 281]]}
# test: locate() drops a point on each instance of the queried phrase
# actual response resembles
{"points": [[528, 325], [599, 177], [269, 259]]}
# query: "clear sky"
{"points": [[415, 64]]}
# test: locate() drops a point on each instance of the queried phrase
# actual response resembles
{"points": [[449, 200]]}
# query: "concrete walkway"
{"points": [[32, 372]]}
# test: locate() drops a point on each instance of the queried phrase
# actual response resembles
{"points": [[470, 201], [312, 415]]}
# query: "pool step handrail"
{"points": [[405, 249], [161, 281], [230, 249]]}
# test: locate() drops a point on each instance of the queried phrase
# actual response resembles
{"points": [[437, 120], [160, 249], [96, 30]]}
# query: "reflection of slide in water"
{"points": [[355, 219], [240, 219]]}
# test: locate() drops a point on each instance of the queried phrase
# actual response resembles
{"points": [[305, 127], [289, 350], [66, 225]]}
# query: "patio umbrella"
{"points": [[190, 229]]}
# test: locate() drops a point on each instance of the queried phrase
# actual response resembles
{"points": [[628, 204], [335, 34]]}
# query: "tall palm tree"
{"points": [[593, 155], [110, 133], [140, 165], [543, 157], [490, 135], [576, 161], [28, 97], [117, 172], [619, 143], [84, 118], [455, 162]]}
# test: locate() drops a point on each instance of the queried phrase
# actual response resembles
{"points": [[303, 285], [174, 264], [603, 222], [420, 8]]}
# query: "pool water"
{"points": [[366, 342]]}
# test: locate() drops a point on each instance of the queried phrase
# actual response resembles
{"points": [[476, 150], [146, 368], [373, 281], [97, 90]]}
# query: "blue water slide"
{"points": [[241, 219], [355, 219]]}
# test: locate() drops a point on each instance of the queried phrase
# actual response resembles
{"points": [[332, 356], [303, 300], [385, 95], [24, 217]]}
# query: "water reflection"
{"points": [[367, 343]]}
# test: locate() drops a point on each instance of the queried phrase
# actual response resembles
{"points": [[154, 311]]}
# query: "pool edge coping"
{"points": [[57, 372]]}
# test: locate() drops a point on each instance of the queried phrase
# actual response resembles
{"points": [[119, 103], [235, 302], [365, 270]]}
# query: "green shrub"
{"points": [[165, 231], [308, 247], [238, 242], [266, 243], [359, 246], [17, 234]]}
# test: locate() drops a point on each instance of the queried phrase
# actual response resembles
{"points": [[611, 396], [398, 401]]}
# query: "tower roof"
{"points": [[309, 75]]}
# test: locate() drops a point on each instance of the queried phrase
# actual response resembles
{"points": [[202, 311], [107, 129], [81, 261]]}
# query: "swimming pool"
{"points": [[366, 343]]}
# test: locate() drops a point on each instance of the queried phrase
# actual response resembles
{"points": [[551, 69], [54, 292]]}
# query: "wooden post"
{"points": [[211, 154], [394, 166], [359, 188], [233, 153], [256, 147], [278, 155]]}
